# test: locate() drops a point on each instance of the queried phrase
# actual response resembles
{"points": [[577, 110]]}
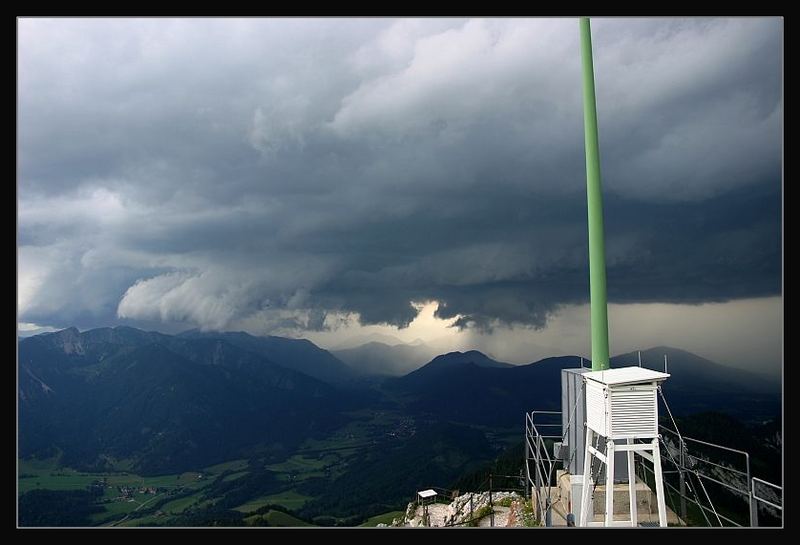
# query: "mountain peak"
{"points": [[452, 360], [68, 340], [70, 332], [297, 354]]}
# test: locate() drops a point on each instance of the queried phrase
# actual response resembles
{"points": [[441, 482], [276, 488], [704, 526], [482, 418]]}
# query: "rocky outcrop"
{"points": [[470, 509]]}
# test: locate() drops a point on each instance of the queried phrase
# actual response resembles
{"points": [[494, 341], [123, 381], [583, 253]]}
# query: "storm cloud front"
{"points": [[294, 174]]}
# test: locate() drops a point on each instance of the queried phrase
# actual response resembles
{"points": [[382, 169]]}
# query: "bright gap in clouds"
{"points": [[424, 327], [745, 333]]}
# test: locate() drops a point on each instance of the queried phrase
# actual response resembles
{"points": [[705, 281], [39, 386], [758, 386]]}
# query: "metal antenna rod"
{"points": [[597, 251]]}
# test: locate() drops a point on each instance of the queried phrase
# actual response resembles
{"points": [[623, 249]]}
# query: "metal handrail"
{"points": [[726, 468], [718, 446], [536, 451], [686, 438], [697, 459], [764, 500], [726, 485], [698, 504], [539, 436]]}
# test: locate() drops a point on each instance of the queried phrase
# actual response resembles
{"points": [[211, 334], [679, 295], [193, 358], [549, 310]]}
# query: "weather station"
{"points": [[621, 405]]}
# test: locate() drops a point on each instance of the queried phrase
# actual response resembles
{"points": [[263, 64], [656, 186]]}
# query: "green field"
{"points": [[233, 465], [288, 499], [298, 464], [47, 475], [325, 458], [179, 505], [385, 518], [366, 426], [279, 518], [233, 476], [252, 505], [275, 518], [115, 509], [335, 451], [42, 474]]}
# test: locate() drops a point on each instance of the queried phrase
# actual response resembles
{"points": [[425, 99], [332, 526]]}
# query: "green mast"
{"points": [[597, 250]]}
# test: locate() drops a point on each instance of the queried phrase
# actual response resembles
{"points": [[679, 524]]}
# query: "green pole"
{"points": [[597, 250]]}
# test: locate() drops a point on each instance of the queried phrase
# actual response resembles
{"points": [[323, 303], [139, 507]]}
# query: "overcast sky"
{"points": [[332, 177]]}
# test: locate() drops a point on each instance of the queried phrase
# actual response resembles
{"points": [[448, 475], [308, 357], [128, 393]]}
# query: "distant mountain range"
{"points": [[377, 358], [167, 403], [160, 403], [697, 384], [470, 387], [442, 367], [298, 354], [359, 340]]}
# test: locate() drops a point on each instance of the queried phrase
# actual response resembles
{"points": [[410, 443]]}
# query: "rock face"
{"points": [[470, 509]]}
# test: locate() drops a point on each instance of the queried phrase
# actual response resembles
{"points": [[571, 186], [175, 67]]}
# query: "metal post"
{"points": [[632, 487], [753, 505], [682, 480], [538, 481], [527, 462], [548, 515], [587, 476], [609, 482], [659, 478], [491, 504], [594, 196]]}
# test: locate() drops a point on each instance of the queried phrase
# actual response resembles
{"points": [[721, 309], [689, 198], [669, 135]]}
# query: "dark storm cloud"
{"points": [[209, 171]]}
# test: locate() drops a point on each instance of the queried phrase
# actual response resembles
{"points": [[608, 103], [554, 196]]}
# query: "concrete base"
{"points": [[646, 505]]}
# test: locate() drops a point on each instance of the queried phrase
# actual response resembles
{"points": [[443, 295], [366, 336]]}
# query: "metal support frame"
{"points": [[756, 497], [649, 450], [539, 477], [632, 487]]}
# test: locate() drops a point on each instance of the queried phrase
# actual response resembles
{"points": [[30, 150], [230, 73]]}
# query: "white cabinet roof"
{"points": [[626, 375]]}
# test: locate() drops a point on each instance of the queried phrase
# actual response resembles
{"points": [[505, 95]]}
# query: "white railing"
{"points": [[537, 453], [766, 501]]}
